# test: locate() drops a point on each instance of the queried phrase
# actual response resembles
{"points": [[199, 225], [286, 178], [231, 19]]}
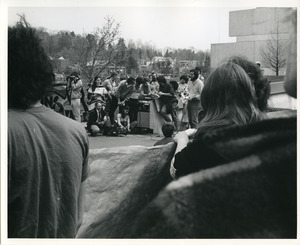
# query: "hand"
{"points": [[190, 132], [181, 137]]}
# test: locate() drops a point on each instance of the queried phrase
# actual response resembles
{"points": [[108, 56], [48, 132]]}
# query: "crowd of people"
{"points": [[171, 98], [46, 175]]}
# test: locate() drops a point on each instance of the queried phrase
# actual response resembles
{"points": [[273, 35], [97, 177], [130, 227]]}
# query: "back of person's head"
{"points": [[145, 80], [30, 73], [168, 129], [130, 80], [174, 85], [112, 75], [228, 97], [261, 83], [198, 69], [184, 78], [74, 74], [139, 80], [161, 79]]}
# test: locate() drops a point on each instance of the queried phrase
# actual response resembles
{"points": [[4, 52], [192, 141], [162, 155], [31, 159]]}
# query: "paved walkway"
{"points": [[100, 141]]}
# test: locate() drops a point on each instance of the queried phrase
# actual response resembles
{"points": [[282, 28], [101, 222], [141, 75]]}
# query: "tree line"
{"points": [[92, 53]]}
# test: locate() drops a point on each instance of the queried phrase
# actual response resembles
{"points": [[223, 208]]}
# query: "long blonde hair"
{"points": [[228, 98]]}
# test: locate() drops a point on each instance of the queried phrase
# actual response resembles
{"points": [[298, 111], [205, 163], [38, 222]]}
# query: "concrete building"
{"points": [[252, 29]]}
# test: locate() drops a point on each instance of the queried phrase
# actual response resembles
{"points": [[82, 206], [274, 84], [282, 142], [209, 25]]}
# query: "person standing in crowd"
{"points": [[84, 105], [99, 91], [121, 97], [259, 81], [75, 95], [234, 103], [168, 131], [98, 120], [182, 100], [134, 100], [47, 152], [168, 101], [112, 79], [195, 86], [154, 85]]}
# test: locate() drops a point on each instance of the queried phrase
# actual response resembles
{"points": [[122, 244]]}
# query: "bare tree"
{"points": [[95, 52], [273, 53]]}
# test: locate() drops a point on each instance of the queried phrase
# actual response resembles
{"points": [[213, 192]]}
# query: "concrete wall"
{"points": [[252, 28], [282, 101], [259, 21], [279, 99]]}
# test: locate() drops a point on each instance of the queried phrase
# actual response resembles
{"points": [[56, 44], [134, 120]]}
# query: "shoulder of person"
{"points": [[199, 81]]}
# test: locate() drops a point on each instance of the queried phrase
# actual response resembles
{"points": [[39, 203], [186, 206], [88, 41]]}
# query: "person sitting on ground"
{"points": [[98, 120], [228, 97], [168, 131], [124, 124], [57, 106]]}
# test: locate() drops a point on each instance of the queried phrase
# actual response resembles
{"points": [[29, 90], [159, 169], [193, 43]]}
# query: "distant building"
{"points": [[252, 28], [186, 65]]}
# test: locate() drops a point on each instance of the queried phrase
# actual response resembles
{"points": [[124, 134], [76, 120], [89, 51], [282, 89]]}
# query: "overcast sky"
{"points": [[177, 27], [164, 23]]}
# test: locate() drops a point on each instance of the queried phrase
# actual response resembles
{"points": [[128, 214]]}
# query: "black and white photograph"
{"points": [[141, 122]]}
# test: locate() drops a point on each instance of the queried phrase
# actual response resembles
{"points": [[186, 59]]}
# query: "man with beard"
{"points": [[195, 86]]}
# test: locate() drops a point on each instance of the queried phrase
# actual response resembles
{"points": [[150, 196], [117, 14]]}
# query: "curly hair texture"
{"points": [[30, 73], [261, 83]]}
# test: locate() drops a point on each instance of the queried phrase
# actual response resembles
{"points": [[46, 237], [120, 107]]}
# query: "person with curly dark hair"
{"points": [[261, 83], [46, 175]]}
